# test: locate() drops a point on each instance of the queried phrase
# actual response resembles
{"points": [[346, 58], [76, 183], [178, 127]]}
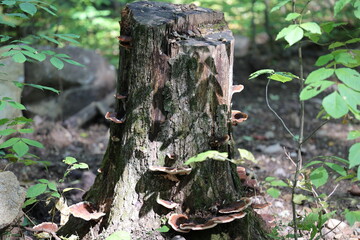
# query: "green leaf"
{"points": [[56, 62], [285, 31], [29, 202], [353, 135], [119, 235], [37, 56], [26, 130], [311, 164], [55, 194], [6, 132], [9, 142], [67, 37], [245, 154], [9, 2], [48, 10], [16, 105], [358, 173], [345, 58], [19, 57], [312, 27], [275, 193], [335, 105], [33, 143], [20, 15], [278, 183], [314, 89], [212, 154], [299, 198], [261, 72], [36, 190], [48, 52], [43, 87], [43, 180], [52, 186], [69, 160], [352, 217], [354, 155], [73, 62], [350, 77], [294, 35], [20, 148], [163, 229], [281, 77], [28, 8], [319, 176], [319, 74], [350, 96], [269, 179], [50, 39], [336, 44], [339, 5], [79, 166], [292, 16], [279, 5], [337, 168]]}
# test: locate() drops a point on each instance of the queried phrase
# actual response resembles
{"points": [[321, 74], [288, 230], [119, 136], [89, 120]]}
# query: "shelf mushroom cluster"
{"points": [[236, 115], [181, 223]]}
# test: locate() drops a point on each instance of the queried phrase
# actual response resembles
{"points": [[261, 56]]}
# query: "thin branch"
{"points": [[271, 109], [314, 131]]}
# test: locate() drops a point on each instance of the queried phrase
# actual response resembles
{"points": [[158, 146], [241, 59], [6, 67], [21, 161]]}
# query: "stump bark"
{"points": [[176, 73]]}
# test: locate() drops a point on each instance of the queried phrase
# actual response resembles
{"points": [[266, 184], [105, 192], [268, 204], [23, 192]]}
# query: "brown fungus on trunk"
{"points": [[119, 96], [238, 117], [260, 205], [124, 38], [86, 211], [46, 227], [198, 227], [112, 117], [166, 203], [176, 219], [236, 206], [236, 88]]}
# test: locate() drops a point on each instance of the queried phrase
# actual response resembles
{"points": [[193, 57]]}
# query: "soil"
{"points": [[262, 134]]}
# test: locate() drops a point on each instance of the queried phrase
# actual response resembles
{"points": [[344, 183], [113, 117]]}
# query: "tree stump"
{"points": [[174, 93]]}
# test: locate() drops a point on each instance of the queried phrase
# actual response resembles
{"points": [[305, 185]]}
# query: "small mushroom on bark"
{"points": [[119, 96], [175, 220], [237, 206], [171, 170], [237, 88], [124, 38], [85, 211], [238, 117], [228, 218], [46, 227], [112, 117], [166, 203], [193, 226]]}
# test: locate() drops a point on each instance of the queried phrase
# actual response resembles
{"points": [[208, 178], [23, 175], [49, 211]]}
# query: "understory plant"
{"points": [[338, 80], [16, 146]]}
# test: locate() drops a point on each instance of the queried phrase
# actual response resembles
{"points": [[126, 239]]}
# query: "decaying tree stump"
{"points": [[174, 92]]}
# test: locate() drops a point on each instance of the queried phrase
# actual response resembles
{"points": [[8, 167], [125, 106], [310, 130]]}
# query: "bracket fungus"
{"points": [[236, 88], [171, 170], [260, 205], [166, 203], [175, 220], [196, 227], [236, 206], [85, 211], [228, 218], [112, 117], [238, 117], [124, 38], [45, 227], [119, 96]]}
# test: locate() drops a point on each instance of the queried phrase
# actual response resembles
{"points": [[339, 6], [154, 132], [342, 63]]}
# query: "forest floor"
{"points": [[262, 134]]}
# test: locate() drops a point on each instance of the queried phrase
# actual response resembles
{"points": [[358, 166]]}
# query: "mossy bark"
{"points": [[177, 75]]}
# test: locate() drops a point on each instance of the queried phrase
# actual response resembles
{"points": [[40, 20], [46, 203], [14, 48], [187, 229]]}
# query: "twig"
{"points": [[314, 131], [271, 109]]}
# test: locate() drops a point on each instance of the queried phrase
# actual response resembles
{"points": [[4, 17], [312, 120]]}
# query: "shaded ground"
{"points": [[261, 134]]}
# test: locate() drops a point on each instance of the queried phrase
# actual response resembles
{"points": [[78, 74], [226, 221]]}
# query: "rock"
{"points": [[11, 71], [79, 85], [355, 190], [275, 148], [12, 197], [269, 134], [337, 225]]}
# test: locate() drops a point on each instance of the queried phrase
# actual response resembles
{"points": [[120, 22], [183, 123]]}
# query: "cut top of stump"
{"points": [[158, 13]]}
